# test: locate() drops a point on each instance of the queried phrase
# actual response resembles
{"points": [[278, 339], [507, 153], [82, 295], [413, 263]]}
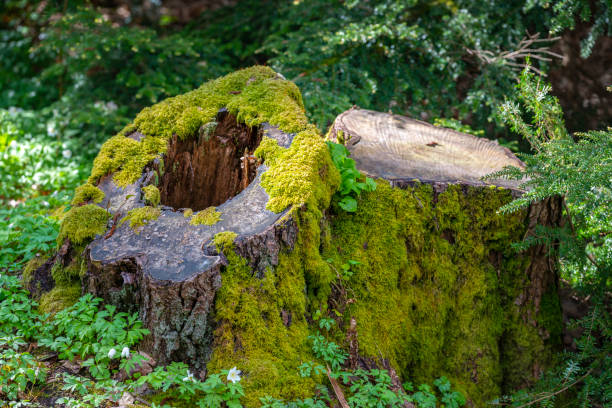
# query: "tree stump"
{"points": [[169, 270], [436, 174], [211, 216]]}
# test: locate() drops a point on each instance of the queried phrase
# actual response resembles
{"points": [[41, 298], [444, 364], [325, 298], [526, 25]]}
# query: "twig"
{"points": [[527, 48], [337, 389], [550, 394]]}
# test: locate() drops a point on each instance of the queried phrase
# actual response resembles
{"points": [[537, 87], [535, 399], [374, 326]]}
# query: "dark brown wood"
{"points": [[209, 169]]}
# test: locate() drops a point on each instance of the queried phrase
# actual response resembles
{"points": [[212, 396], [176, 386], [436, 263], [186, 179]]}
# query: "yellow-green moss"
{"points": [[427, 295], [59, 298], [69, 274], [254, 95], [141, 216], [82, 224], [87, 193], [251, 334], [151, 195], [188, 213], [224, 240], [208, 216], [31, 266], [299, 174]]}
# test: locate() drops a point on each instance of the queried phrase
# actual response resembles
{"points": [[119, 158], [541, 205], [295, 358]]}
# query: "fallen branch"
{"points": [[337, 390]]}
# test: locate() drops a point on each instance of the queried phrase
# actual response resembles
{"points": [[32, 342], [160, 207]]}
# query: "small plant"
{"points": [[19, 369], [92, 393], [18, 313], [83, 330], [176, 381], [352, 181], [328, 351]]}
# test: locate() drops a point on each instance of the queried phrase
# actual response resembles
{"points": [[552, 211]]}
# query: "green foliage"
{"points": [[369, 388], [36, 173], [18, 313], [352, 182], [177, 382], [405, 56], [28, 229], [579, 169], [568, 11], [85, 331], [92, 394], [328, 351], [20, 370]]}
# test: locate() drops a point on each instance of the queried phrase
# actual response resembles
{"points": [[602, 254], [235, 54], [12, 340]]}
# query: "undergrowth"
{"points": [[102, 343]]}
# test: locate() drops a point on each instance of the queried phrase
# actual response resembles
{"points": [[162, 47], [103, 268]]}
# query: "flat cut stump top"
{"points": [[395, 147]]}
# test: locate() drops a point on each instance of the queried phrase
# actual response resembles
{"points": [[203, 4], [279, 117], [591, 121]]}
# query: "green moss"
{"points": [[224, 240], [151, 195], [209, 216], [251, 333], [31, 266], [440, 275], [254, 95], [141, 216], [82, 224], [59, 298], [188, 213], [72, 273], [263, 325], [87, 193], [300, 174]]}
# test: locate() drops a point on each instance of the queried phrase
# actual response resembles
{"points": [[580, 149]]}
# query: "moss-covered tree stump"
{"points": [[211, 215], [450, 294]]}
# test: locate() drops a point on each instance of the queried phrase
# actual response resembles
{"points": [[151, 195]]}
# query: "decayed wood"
{"points": [[169, 270], [208, 170]]}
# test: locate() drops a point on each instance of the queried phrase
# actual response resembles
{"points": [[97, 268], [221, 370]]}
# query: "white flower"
{"points": [[125, 353], [111, 353], [66, 153], [233, 375], [189, 376], [51, 129]]}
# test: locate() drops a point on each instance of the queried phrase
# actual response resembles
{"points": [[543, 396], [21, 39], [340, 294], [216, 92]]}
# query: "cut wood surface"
{"points": [[395, 147]]}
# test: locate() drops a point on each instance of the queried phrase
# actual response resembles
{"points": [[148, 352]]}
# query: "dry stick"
{"points": [[524, 50], [552, 394], [337, 389]]}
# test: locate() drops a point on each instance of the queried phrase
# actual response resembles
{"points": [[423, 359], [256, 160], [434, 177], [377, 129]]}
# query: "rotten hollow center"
{"points": [[211, 167]]}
